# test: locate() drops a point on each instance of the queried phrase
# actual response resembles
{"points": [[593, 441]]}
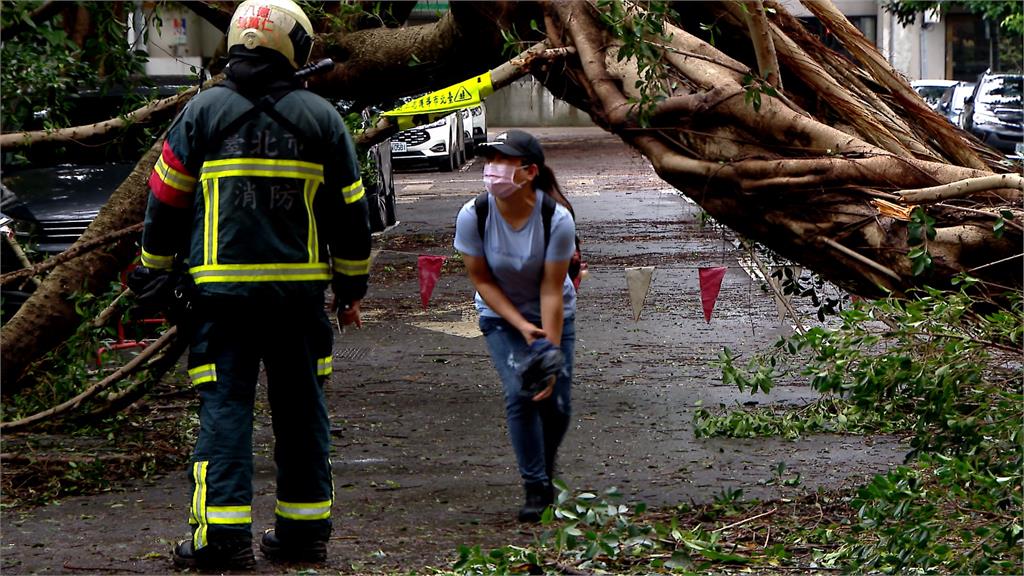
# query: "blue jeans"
{"points": [[535, 428]]}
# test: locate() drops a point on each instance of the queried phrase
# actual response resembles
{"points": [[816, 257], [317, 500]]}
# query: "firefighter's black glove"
{"points": [[168, 292], [543, 362], [153, 289]]}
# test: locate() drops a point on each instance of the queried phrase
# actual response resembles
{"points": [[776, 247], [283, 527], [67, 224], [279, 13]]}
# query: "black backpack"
{"points": [[547, 211]]}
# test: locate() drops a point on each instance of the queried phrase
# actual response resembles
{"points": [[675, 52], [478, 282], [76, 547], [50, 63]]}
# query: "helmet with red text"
{"points": [[278, 25]]}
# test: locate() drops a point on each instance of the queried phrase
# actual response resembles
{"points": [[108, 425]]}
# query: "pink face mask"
{"points": [[500, 179]]}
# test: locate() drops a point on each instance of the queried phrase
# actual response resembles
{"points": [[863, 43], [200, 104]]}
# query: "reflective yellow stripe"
{"points": [[173, 178], [207, 227], [330, 467], [303, 510], [229, 514], [261, 167], [215, 220], [324, 366], [353, 192], [156, 262], [351, 267], [301, 271], [312, 242], [204, 373], [199, 504]]}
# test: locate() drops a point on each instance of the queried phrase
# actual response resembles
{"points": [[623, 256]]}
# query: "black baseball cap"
{"points": [[517, 144]]}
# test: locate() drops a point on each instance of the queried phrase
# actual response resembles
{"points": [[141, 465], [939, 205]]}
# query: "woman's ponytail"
{"points": [[547, 182]]}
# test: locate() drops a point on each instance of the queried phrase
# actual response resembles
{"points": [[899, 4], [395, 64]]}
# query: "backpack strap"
{"points": [[482, 206]]}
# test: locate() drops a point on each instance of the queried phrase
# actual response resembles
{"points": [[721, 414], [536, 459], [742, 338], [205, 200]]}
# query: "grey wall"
{"points": [[527, 103]]}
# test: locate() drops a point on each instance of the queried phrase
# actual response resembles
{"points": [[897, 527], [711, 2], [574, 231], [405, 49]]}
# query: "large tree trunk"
{"points": [[817, 171], [805, 172]]}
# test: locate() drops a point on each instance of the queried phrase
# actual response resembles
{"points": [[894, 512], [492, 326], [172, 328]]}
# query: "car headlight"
{"points": [[437, 124]]}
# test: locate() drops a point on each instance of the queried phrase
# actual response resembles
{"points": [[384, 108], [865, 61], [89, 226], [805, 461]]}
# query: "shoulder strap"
{"points": [[482, 207], [264, 104]]}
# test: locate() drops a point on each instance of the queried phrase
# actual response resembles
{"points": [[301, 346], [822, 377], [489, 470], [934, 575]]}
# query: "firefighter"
{"points": [[258, 190]]}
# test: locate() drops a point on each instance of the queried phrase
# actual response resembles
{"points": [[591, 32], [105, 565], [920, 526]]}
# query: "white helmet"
{"points": [[279, 25]]}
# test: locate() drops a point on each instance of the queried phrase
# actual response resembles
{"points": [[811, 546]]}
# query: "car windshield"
{"points": [[1003, 91], [954, 99], [960, 94], [931, 94]]}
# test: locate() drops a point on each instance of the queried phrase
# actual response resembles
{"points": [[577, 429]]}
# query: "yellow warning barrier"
{"points": [[465, 94]]}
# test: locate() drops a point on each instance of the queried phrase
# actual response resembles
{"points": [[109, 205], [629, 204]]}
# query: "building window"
{"points": [[868, 26]]}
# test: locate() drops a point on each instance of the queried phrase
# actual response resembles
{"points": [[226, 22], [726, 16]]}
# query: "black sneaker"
{"points": [[277, 551], [235, 554], [538, 497]]}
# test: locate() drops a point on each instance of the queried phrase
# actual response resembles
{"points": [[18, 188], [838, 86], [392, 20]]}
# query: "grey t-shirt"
{"points": [[517, 257]]}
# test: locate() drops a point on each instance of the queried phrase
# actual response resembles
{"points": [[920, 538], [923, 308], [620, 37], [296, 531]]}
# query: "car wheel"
{"points": [[376, 199], [390, 212], [448, 163]]}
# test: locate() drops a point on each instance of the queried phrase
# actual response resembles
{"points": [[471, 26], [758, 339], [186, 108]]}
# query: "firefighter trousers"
{"points": [[293, 340]]}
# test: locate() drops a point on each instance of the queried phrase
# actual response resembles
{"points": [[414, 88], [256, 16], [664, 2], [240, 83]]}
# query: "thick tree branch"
{"points": [[764, 47], [883, 73], [216, 13], [501, 77], [72, 252], [962, 188], [77, 133]]}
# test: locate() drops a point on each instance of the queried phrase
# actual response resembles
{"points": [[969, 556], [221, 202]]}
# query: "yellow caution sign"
{"points": [[465, 94]]}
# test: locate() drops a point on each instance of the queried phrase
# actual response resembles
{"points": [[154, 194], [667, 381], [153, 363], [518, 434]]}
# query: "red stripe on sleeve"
{"points": [[163, 191], [167, 194], [172, 160]]}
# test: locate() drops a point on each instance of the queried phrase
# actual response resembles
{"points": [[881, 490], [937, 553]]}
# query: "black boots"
{"points": [[306, 551], [230, 554], [539, 495]]}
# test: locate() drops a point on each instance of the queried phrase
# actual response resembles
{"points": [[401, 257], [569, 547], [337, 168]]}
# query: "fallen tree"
{"points": [[789, 143]]}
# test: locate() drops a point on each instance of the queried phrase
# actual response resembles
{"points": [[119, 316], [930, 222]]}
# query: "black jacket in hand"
{"points": [[543, 362]]}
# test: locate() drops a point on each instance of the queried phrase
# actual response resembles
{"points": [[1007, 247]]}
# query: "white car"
{"points": [[932, 90], [441, 143], [479, 116], [467, 131]]}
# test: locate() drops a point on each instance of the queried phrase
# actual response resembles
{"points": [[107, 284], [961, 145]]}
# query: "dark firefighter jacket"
{"points": [[260, 203]]}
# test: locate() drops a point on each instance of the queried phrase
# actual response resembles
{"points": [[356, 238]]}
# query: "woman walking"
{"points": [[517, 242]]}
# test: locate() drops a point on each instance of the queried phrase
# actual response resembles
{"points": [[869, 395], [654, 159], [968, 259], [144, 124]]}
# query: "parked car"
{"points": [[441, 143], [932, 90], [376, 168], [52, 206], [467, 132], [12, 296], [479, 115], [45, 210], [994, 112], [951, 105]]}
